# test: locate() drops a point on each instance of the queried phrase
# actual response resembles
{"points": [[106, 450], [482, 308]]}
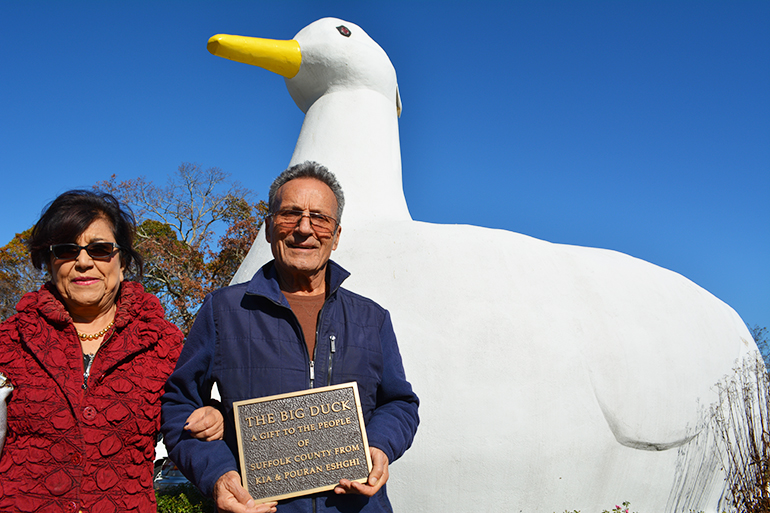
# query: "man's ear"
{"points": [[337, 237], [267, 230]]}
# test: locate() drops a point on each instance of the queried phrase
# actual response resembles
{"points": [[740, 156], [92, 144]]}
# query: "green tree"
{"points": [[17, 275]]}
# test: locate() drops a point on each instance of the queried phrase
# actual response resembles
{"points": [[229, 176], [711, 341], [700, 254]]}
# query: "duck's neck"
{"points": [[355, 135]]}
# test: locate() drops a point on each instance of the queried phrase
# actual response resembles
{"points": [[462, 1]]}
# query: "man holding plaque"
{"points": [[291, 328]]}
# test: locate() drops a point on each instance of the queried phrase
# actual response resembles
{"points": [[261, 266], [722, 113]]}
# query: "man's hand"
{"points": [[230, 496], [206, 424], [377, 477]]}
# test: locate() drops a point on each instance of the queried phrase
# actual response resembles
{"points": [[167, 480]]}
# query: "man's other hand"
{"points": [[377, 477]]}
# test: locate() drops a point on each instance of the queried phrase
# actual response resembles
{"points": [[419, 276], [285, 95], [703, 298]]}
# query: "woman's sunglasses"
{"points": [[96, 250]]}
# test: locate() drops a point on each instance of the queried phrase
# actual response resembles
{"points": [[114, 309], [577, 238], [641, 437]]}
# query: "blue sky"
{"points": [[642, 127]]}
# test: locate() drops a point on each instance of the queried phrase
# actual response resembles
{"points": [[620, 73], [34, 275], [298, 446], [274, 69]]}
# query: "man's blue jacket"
{"points": [[247, 340]]}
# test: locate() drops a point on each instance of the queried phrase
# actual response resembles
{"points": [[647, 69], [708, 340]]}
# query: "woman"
{"points": [[87, 355]]}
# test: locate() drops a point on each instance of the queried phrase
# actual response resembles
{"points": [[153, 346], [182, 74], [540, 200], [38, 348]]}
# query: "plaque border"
{"points": [[309, 391]]}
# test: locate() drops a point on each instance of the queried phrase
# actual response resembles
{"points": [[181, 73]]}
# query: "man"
{"points": [[292, 327]]}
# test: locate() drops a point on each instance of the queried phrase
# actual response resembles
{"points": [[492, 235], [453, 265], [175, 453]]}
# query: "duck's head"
{"points": [[328, 56]]}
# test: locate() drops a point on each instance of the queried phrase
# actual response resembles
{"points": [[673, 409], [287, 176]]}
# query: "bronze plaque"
{"points": [[302, 442]]}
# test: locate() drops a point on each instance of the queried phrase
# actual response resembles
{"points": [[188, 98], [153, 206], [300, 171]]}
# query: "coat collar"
{"points": [[132, 303], [46, 329], [265, 281]]}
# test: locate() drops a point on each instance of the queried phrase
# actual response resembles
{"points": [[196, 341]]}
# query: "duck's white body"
{"points": [[5, 390], [551, 377]]}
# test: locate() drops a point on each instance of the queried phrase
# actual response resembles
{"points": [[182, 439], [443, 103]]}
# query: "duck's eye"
{"points": [[344, 30]]}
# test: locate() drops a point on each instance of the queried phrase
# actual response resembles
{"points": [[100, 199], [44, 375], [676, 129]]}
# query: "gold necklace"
{"points": [[86, 336]]}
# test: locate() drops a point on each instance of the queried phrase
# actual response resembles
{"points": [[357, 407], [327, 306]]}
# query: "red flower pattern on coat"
{"points": [[73, 449]]}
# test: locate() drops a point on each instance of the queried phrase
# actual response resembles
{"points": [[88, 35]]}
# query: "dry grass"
{"points": [[742, 425]]}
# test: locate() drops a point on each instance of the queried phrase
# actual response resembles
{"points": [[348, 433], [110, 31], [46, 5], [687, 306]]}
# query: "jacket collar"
{"points": [[132, 303], [265, 281], [47, 330]]}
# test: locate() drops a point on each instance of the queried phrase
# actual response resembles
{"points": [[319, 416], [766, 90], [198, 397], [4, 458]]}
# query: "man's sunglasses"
{"points": [[96, 250]]}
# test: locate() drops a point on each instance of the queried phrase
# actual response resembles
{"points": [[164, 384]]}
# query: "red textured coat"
{"points": [[71, 448]]}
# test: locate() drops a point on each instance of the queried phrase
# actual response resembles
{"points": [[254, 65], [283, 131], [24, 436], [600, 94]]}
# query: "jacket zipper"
{"points": [[332, 350], [315, 348]]}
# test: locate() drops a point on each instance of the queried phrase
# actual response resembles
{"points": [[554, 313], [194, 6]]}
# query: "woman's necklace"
{"points": [[94, 336]]}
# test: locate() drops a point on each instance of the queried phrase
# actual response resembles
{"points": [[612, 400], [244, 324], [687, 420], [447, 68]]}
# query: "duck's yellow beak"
{"points": [[281, 57]]}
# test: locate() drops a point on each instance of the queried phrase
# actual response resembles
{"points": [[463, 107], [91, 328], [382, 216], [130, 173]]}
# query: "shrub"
{"points": [[183, 499]]}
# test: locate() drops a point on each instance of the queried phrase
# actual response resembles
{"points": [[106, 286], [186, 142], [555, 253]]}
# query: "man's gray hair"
{"points": [[308, 169]]}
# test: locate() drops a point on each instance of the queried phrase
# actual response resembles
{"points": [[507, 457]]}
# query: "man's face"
{"points": [[300, 251]]}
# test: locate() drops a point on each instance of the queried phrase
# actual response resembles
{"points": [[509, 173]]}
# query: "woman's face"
{"points": [[89, 286]]}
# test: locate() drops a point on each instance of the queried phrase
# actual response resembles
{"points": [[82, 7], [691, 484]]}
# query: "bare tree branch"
{"points": [[175, 231]]}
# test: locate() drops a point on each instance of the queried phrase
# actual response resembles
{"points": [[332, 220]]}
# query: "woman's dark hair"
{"points": [[66, 217]]}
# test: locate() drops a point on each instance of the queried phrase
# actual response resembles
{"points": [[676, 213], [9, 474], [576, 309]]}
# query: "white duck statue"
{"points": [[551, 377]]}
